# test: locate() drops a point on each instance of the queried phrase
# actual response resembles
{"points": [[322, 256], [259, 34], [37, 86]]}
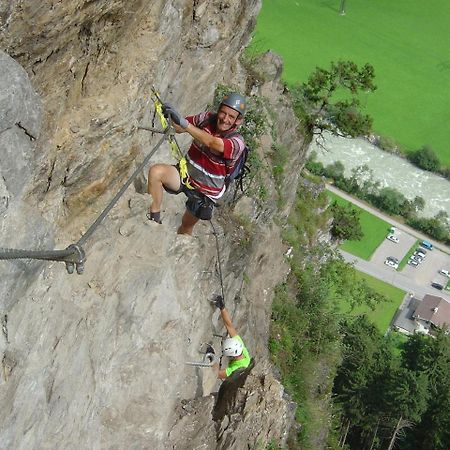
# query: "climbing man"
{"points": [[215, 149], [233, 347]]}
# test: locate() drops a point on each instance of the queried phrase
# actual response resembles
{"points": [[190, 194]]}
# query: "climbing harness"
{"points": [[176, 151], [74, 256]]}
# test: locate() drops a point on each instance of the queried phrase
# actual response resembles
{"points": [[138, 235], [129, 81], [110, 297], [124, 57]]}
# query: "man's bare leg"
{"points": [[159, 175], [187, 223]]}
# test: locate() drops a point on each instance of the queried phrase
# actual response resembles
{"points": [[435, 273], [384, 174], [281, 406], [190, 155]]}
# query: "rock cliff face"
{"points": [[98, 360]]}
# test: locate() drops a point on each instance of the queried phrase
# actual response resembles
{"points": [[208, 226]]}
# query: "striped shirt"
{"points": [[207, 170]]}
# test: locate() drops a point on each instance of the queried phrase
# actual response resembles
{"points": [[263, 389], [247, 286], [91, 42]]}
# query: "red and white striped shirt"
{"points": [[207, 170]]}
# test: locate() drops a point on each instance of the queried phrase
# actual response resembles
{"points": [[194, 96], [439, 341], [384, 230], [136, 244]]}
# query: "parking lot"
{"points": [[423, 274], [397, 250], [428, 270]]}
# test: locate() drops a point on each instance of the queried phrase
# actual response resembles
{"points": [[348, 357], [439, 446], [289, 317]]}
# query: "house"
{"points": [[432, 311]]}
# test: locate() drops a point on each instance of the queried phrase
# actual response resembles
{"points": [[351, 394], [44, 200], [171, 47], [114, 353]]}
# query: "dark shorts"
{"points": [[197, 204]]}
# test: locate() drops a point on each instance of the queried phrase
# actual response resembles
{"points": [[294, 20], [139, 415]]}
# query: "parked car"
{"points": [[427, 245], [392, 238], [413, 262], [391, 263], [420, 253], [445, 272], [437, 285], [392, 258], [417, 257]]}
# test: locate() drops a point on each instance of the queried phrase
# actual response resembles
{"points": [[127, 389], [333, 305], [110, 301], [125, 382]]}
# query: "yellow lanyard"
{"points": [[176, 152]]}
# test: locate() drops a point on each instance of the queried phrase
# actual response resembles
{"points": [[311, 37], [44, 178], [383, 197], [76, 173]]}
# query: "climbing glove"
{"points": [[169, 110], [219, 302]]}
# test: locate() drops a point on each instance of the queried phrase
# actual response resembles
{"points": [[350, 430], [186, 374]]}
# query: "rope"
{"points": [[218, 260], [74, 255]]}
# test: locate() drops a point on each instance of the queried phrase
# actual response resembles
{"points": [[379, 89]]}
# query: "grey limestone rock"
{"points": [[20, 121], [268, 66]]}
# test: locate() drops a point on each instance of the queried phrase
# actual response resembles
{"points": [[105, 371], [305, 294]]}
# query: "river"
{"points": [[389, 169]]}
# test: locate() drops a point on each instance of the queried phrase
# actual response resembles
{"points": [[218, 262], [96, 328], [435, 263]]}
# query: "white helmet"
{"points": [[232, 347]]}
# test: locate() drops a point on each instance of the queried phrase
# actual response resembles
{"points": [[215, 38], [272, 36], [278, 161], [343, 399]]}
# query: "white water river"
{"points": [[389, 169]]}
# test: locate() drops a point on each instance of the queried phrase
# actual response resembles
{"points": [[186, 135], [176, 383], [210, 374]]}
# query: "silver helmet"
{"points": [[235, 101]]}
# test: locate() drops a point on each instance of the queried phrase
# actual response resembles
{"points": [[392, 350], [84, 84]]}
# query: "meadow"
{"points": [[406, 41], [383, 313], [374, 231]]}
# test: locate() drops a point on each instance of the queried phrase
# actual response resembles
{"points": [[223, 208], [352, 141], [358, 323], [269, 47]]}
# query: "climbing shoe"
{"points": [[154, 217]]}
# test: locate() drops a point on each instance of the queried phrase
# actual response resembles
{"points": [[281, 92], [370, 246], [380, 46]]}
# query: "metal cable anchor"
{"points": [[75, 259]]}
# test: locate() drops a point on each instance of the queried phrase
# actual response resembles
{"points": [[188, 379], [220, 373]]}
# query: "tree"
{"points": [[335, 170], [344, 285], [346, 225], [359, 382], [431, 357], [425, 158], [436, 227], [362, 182], [315, 167], [407, 394], [392, 201], [330, 99], [418, 203]]}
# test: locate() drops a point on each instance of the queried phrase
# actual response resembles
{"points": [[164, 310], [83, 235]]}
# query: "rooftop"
{"points": [[435, 310]]}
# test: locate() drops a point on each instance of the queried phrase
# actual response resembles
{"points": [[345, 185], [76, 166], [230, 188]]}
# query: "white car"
{"points": [[445, 272], [416, 257], [392, 238], [391, 263]]}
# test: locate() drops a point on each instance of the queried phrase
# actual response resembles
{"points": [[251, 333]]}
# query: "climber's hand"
{"points": [[219, 302], [177, 118]]}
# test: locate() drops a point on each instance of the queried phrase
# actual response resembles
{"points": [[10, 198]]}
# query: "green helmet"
{"points": [[235, 101]]}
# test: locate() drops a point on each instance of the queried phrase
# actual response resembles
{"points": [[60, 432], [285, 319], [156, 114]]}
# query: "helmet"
{"points": [[235, 101], [232, 347]]}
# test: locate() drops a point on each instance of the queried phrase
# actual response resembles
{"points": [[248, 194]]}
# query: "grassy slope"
{"points": [[406, 41], [384, 312], [374, 230]]}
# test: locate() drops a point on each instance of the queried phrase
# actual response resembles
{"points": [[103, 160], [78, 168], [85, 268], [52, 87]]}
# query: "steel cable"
{"points": [[105, 212], [74, 254], [218, 260]]}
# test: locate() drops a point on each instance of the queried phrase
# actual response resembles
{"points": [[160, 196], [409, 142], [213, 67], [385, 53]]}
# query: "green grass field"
{"points": [[383, 313], [406, 41], [374, 230]]}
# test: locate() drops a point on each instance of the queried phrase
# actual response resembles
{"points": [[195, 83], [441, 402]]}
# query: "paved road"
{"points": [[391, 276], [387, 218]]}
